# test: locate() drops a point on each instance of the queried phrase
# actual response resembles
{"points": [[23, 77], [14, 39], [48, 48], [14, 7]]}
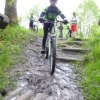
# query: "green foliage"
{"points": [[11, 40], [88, 13], [36, 10], [91, 70], [9, 2], [88, 6]]}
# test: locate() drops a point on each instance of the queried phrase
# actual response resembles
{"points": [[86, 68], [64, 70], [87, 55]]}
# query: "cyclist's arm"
{"points": [[43, 13]]}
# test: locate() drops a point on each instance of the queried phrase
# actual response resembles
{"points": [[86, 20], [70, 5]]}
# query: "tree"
{"points": [[11, 11], [88, 12], [4, 20], [36, 10]]}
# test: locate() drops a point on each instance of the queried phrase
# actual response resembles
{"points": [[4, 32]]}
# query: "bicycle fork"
{"points": [[50, 43]]}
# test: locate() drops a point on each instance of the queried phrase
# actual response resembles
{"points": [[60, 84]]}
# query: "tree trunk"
{"points": [[11, 11]]}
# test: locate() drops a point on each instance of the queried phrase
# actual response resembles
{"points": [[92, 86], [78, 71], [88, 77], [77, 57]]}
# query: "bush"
{"points": [[10, 46], [91, 71]]}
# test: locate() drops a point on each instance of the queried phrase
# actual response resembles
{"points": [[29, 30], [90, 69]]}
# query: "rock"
{"points": [[26, 96], [3, 92], [4, 20], [14, 93], [50, 98], [41, 96]]}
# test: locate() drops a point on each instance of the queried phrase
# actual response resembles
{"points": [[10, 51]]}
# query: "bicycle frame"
{"points": [[51, 45], [51, 35]]}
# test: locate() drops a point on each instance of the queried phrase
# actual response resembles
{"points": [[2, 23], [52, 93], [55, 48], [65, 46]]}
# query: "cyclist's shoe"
{"points": [[43, 51]]}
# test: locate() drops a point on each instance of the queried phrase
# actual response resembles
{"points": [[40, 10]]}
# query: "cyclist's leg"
{"points": [[45, 29], [31, 26]]}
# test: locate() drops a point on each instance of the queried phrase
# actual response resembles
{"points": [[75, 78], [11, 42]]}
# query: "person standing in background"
{"points": [[31, 23], [74, 22]]}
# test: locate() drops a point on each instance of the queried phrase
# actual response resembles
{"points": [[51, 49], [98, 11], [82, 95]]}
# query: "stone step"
{"points": [[38, 45], [14, 93], [74, 49], [27, 96], [77, 39], [61, 45], [76, 42], [61, 39], [68, 59], [69, 54], [41, 96]]}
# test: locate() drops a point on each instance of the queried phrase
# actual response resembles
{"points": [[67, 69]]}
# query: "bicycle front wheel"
{"points": [[53, 55], [47, 53]]}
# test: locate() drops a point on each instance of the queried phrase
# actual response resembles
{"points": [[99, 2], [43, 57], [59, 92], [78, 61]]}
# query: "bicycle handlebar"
{"points": [[60, 21], [49, 21]]}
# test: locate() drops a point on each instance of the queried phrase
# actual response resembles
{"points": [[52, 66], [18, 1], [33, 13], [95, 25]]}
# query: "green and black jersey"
{"points": [[51, 12]]}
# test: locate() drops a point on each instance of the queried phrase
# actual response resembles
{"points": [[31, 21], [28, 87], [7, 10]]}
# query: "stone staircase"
{"points": [[71, 51]]}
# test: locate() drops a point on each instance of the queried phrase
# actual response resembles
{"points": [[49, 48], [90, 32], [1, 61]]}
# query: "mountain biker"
{"points": [[31, 23], [50, 13]]}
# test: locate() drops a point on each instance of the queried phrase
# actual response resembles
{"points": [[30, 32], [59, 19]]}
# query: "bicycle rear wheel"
{"points": [[53, 55]]}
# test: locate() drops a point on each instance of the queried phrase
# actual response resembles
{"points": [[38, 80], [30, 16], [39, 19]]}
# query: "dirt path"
{"points": [[34, 69]]}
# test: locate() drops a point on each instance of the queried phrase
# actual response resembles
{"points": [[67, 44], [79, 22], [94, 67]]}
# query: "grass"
{"points": [[11, 41], [91, 70]]}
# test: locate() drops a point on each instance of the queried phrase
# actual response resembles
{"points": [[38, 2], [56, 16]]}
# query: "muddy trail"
{"points": [[34, 72]]}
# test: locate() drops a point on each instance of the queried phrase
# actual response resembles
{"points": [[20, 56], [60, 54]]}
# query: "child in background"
{"points": [[31, 24], [74, 28]]}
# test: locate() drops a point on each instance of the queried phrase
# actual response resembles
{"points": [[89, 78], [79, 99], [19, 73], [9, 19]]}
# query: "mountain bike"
{"points": [[51, 46]]}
